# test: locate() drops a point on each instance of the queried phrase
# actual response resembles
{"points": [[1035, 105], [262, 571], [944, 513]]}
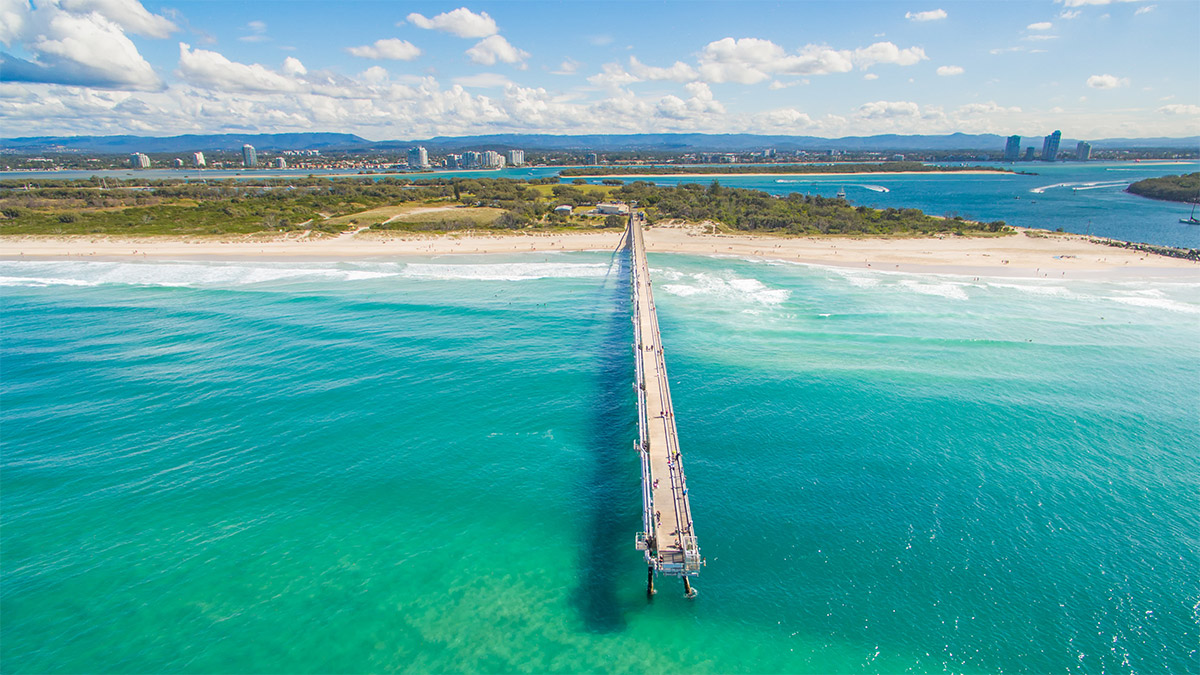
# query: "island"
{"points": [[1183, 188]]}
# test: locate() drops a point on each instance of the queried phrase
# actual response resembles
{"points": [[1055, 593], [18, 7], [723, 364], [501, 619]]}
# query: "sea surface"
{"points": [[1079, 197], [426, 464]]}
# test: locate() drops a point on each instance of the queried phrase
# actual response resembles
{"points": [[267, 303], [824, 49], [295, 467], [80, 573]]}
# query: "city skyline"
{"points": [[427, 69]]}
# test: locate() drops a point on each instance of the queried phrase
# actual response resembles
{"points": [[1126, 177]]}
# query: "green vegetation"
{"points": [[437, 204], [1185, 188], [795, 214], [873, 167]]}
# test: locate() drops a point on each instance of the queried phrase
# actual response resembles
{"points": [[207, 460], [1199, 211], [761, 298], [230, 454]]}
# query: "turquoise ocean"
{"points": [[426, 464]]}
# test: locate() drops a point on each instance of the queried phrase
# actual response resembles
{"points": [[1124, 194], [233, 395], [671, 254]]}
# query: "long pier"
{"points": [[668, 535]]}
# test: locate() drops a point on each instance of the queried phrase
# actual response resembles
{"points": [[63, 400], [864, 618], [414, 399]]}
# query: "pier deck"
{"points": [[668, 537]]}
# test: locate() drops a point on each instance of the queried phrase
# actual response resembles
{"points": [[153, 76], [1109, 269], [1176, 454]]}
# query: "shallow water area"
{"points": [[425, 464]]}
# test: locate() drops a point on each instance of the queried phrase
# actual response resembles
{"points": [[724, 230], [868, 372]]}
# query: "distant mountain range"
{"points": [[546, 142]]}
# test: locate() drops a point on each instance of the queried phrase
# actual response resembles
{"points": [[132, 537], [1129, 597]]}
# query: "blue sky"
{"points": [[405, 70]]}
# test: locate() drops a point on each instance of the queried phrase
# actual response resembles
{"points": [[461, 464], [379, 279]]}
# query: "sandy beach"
{"points": [[1042, 255]]}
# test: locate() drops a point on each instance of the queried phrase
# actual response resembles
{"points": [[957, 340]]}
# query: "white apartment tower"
{"points": [[516, 157]]}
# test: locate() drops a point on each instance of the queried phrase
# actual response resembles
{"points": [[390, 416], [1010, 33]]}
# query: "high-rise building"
{"points": [[279, 163], [592, 159], [454, 161], [139, 161], [249, 156], [472, 159], [418, 158], [1029, 154], [516, 157], [1050, 146], [1012, 149], [177, 163], [493, 160], [198, 160], [1083, 151]]}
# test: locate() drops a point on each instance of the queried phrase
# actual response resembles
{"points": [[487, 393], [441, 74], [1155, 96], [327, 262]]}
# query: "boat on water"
{"points": [[1192, 219], [841, 193]]}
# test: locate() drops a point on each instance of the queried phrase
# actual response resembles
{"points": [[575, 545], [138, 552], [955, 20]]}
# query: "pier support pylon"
{"points": [[650, 582], [688, 591]]}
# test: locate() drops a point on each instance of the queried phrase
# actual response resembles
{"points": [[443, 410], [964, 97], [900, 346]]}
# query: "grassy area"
{"points": [[443, 219]]}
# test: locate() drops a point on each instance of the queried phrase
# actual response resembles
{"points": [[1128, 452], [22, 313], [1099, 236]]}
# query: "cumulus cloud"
{"points": [[886, 52], [946, 71], [931, 15], [210, 69], [1107, 81], [888, 110], [1081, 3], [751, 60], [491, 50], [678, 72], [569, 66], [1145, 10], [128, 14], [483, 81], [989, 108], [461, 22], [870, 76], [77, 43], [1041, 25], [1180, 109], [388, 48]]}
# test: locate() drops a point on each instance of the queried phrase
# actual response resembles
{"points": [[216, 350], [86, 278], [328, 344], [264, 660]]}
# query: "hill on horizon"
{"points": [[692, 142]]}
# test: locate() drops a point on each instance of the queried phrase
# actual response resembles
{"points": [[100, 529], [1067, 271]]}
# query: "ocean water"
{"points": [[426, 464]]}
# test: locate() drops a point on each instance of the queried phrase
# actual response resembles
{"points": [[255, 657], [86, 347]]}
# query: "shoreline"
{"points": [[1049, 255]]}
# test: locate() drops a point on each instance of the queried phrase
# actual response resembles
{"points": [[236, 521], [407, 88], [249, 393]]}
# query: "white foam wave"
{"points": [[945, 289], [729, 288], [1157, 303], [44, 281], [169, 274], [506, 271], [1050, 291]]}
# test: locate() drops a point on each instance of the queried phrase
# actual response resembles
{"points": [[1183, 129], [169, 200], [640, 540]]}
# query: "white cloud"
{"points": [[569, 66], [1081, 3], [746, 60], [495, 48], [1107, 81], [257, 30], [1145, 10], [886, 52], [1039, 37], [388, 48], [81, 46], [212, 70], [784, 119], [128, 14], [1180, 109], [678, 72], [293, 67], [1069, 14], [870, 76], [931, 15], [888, 110], [483, 81], [602, 40], [989, 108], [946, 71], [612, 76], [461, 22], [1041, 25]]}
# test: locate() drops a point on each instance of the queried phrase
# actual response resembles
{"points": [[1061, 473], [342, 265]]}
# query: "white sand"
{"points": [[1049, 255]]}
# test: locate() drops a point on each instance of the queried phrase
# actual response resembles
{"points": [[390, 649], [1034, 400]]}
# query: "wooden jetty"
{"points": [[668, 536]]}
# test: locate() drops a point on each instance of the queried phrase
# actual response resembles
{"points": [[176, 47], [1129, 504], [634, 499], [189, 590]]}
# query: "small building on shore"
{"points": [[564, 209], [612, 209]]}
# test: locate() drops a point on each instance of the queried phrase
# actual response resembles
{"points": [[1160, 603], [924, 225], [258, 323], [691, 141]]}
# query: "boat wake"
{"points": [[1094, 185]]}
